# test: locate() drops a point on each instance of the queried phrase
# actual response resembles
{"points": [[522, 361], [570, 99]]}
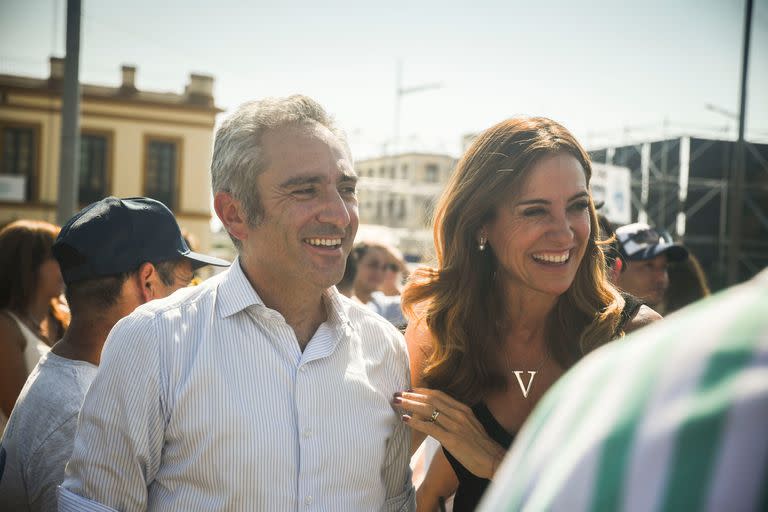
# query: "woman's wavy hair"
{"points": [[460, 300]]}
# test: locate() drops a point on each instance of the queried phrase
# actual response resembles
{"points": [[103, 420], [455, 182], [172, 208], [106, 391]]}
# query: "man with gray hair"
{"points": [[263, 388]]}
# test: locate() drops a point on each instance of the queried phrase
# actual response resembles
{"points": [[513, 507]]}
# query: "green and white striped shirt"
{"points": [[673, 418]]}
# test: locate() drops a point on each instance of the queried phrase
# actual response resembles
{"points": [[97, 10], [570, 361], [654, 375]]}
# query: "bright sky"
{"points": [[600, 68]]}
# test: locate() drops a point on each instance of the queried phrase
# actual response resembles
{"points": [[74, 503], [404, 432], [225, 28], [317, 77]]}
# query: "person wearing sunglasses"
{"points": [[395, 274], [373, 265]]}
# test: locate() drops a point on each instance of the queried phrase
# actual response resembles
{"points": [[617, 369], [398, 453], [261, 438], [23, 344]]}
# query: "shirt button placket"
{"points": [[306, 432]]}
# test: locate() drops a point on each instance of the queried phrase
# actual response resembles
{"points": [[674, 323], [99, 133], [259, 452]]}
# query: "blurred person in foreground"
{"points": [[373, 260], [263, 388], [115, 255], [687, 284], [672, 418], [32, 316], [646, 253], [518, 297]]}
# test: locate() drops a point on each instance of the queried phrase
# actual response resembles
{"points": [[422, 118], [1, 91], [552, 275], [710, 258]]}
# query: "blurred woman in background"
{"points": [[32, 313], [372, 261], [395, 272]]}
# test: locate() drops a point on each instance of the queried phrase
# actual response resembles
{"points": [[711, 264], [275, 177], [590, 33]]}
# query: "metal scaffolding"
{"points": [[682, 184]]}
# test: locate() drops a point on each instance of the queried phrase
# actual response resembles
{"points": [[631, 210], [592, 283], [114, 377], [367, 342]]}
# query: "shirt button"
{"points": [[302, 369], [308, 500], [307, 432]]}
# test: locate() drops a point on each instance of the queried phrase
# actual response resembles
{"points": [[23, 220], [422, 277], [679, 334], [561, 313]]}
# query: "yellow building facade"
{"points": [[133, 143]]}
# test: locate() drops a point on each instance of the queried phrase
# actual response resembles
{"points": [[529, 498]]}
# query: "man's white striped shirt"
{"points": [[204, 401]]}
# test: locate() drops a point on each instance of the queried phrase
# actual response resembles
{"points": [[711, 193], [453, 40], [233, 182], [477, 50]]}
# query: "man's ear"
{"points": [[148, 277], [230, 212]]}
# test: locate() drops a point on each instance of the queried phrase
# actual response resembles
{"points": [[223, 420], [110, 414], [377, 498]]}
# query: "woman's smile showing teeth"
{"points": [[552, 258]]}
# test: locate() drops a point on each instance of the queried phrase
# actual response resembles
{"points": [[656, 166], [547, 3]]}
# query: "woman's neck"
{"points": [[527, 311], [363, 296], [38, 309]]}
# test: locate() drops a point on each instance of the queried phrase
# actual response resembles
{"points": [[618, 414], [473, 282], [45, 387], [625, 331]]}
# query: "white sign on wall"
{"points": [[611, 185], [13, 188]]}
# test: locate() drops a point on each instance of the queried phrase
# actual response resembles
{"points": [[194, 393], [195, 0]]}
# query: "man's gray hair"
{"points": [[237, 152]]}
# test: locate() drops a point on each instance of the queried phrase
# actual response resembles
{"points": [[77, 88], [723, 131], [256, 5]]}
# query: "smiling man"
{"points": [[264, 388]]}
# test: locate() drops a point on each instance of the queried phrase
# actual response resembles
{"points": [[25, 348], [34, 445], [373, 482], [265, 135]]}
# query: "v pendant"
{"points": [[523, 388]]}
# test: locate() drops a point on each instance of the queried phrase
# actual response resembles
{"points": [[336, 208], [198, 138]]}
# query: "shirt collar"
{"points": [[235, 292], [336, 308]]}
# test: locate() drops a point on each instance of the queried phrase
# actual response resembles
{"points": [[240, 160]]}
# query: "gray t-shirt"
{"points": [[38, 439]]}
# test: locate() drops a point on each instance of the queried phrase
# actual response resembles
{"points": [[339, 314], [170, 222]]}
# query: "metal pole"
{"points": [[736, 185], [70, 118]]}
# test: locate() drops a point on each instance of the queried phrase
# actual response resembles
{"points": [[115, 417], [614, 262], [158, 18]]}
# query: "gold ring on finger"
{"points": [[435, 414]]}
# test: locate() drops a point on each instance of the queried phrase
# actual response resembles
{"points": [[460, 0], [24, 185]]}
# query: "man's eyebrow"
{"points": [[297, 181], [546, 202]]}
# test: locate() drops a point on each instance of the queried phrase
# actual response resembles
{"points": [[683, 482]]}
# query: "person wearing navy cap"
{"points": [[646, 253], [115, 255]]}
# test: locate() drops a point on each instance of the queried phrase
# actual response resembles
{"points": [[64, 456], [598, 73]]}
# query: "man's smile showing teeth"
{"points": [[323, 242], [552, 257]]}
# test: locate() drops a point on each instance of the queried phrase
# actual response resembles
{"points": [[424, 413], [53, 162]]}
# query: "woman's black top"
{"points": [[471, 487]]}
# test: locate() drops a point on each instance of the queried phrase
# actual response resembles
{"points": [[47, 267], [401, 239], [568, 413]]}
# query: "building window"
{"points": [[161, 176], [93, 182], [18, 156], [431, 173], [404, 171]]}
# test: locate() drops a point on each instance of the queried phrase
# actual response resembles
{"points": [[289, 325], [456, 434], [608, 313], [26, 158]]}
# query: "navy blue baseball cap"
{"points": [[115, 236], [639, 241]]}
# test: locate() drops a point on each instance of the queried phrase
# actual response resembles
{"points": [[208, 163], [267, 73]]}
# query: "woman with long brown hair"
{"points": [[32, 317], [517, 297]]}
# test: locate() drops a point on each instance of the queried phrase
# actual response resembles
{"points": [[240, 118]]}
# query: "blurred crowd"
{"points": [[527, 368]]}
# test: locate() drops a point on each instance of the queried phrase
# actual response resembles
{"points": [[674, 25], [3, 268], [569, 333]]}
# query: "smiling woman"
{"points": [[518, 296]]}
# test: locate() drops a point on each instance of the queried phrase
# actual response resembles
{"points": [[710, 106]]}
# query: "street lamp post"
{"points": [[401, 91], [736, 180]]}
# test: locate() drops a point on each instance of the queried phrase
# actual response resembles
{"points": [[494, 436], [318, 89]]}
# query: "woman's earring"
{"points": [[481, 245]]}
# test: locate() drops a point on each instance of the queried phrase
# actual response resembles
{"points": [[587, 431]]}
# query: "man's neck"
{"points": [[302, 309], [84, 340]]}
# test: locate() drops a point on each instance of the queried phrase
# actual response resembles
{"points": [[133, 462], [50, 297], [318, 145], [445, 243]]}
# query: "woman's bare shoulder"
{"points": [[644, 316], [10, 333], [420, 340]]}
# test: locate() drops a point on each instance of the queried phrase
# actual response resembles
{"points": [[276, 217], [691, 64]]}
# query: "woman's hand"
{"points": [[454, 424]]}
